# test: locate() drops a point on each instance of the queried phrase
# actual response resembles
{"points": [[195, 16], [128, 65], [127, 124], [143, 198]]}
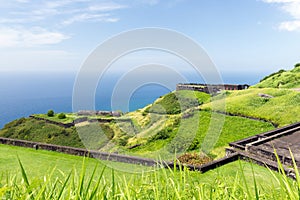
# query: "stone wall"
{"points": [[114, 156], [79, 152], [210, 88], [64, 125]]}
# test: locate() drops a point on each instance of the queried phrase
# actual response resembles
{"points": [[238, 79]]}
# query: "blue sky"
{"points": [[241, 36]]}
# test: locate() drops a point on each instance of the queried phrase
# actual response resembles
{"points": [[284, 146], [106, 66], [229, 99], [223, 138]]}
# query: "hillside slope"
{"points": [[281, 106], [178, 121], [281, 79]]}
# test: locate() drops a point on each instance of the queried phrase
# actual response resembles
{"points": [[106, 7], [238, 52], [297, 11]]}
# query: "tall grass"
{"points": [[161, 184]]}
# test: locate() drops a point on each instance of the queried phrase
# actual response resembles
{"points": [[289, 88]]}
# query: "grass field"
{"points": [[283, 109], [282, 79], [69, 117], [38, 180], [40, 131], [191, 132]]}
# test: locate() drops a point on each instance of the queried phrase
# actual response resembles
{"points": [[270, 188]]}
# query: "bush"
{"points": [[123, 141], [162, 135], [194, 159], [50, 113], [61, 116]]}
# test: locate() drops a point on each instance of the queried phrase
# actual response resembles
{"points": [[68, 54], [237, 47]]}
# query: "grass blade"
{"points": [[64, 186], [24, 175]]}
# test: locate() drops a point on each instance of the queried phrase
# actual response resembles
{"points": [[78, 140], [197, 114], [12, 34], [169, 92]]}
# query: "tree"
{"points": [[61, 116], [50, 113], [297, 65]]}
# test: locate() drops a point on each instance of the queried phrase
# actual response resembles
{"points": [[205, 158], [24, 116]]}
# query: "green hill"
{"points": [[281, 79], [177, 122], [279, 106]]}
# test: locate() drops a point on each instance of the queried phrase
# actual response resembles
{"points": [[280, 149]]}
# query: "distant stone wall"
{"points": [[64, 125], [210, 88], [99, 112]]}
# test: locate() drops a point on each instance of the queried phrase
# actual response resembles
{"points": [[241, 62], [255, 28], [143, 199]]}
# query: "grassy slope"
{"points": [[283, 109], [221, 178], [39, 131], [194, 129], [281, 79], [178, 101], [155, 133], [69, 117]]}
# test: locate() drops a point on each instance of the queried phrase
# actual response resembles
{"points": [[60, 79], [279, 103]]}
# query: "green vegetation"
{"points": [[179, 122], [68, 178], [61, 116], [40, 131], [188, 134], [150, 134], [282, 109], [95, 136], [282, 79], [176, 102], [50, 113]]}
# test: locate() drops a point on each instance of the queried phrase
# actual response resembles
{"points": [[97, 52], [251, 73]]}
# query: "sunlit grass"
{"points": [[237, 180]]}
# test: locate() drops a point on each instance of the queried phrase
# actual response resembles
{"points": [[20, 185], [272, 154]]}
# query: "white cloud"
{"points": [[90, 17], [20, 37], [28, 14], [22, 1], [292, 7], [106, 7], [279, 1], [290, 25], [58, 12]]}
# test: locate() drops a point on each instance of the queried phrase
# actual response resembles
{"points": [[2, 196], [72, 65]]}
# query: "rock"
{"points": [[267, 96]]}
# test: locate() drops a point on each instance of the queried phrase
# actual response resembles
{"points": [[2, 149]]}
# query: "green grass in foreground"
{"points": [[50, 175]]}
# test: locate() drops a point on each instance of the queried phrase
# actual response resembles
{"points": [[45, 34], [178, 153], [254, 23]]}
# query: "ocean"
{"points": [[26, 93], [23, 94]]}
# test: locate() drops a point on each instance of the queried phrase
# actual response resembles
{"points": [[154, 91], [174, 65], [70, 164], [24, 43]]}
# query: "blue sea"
{"points": [[26, 93]]}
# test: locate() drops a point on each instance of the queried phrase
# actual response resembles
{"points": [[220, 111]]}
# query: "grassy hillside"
{"points": [[39, 131], [60, 175], [188, 134], [147, 132], [178, 101], [173, 123], [282, 109], [281, 79]]}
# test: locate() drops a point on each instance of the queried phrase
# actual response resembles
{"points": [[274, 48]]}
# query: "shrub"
{"points": [[50, 113], [61, 116], [123, 141], [162, 135], [194, 158]]}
